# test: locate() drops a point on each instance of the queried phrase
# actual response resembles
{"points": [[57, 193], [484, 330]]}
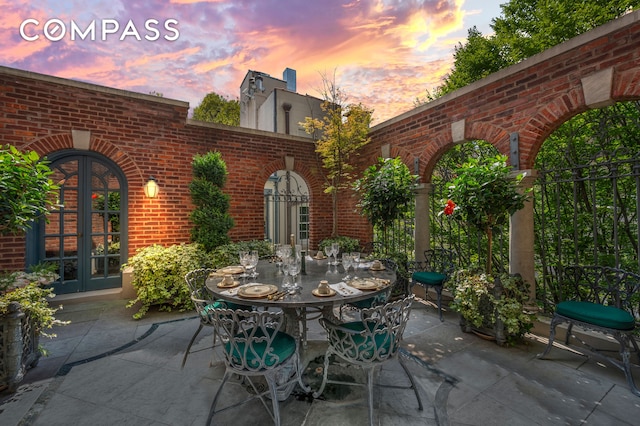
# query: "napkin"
{"points": [[344, 290]]}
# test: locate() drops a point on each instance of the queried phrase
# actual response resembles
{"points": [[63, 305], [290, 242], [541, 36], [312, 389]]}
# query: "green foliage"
{"points": [[227, 254], [485, 195], [158, 276], [525, 28], [30, 291], [217, 109], [158, 272], [386, 192], [344, 130], [210, 217], [26, 192], [475, 298], [347, 244]]}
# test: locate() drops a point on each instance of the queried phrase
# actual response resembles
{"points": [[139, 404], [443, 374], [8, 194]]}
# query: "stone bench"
{"points": [[605, 300]]}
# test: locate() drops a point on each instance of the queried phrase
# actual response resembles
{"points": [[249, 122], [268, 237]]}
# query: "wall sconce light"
{"points": [[151, 188]]}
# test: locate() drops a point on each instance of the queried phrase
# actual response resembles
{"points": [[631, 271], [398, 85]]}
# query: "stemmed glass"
{"points": [[253, 263], [244, 262], [328, 250], [355, 262], [347, 262], [291, 268], [335, 249]]}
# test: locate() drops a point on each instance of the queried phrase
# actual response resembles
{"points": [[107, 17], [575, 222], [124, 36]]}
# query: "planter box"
{"points": [[18, 347]]}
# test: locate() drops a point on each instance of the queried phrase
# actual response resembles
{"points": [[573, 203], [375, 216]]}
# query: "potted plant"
{"points": [[26, 194], [483, 195], [25, 315]]}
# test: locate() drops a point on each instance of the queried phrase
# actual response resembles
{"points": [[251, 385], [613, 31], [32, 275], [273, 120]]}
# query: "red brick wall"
{"points": [[532, 98], [146, 135]]}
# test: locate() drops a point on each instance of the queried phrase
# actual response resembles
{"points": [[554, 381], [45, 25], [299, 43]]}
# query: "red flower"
{"points": [[449, 207], [94, 196]]}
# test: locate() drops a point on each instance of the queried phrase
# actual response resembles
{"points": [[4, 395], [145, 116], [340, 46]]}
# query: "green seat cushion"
{"points": [[282, 347], [594, 313], [219, 304], [363, 348], [429, 278]]}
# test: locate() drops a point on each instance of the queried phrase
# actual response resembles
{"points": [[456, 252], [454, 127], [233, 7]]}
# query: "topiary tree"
{"points": [[26, 192], [210, 216], [484, 195], [386, 192]]}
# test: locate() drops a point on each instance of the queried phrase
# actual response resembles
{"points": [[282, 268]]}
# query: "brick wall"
{"points": [[146, 135]]}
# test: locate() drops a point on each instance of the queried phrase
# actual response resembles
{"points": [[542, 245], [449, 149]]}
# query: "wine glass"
{"points": [[278, 253], [328, 251], [244, 262], [295, 264], [335, 249], [355, 262], [347, 262], [253, 263]]}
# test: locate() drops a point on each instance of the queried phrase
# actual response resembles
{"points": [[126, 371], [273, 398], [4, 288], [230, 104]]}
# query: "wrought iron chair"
{"points": [[369, 343], [434, 272], [203, 303], [379, 299], [254, 346]]}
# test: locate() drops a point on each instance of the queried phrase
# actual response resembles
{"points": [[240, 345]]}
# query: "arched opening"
{"points": [[286, 208], [87, 236]]}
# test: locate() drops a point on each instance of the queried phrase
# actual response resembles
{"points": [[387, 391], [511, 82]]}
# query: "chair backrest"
{"points": [[253, 340], [196, 279], [440, 260], [200, 296], [376, 337]]}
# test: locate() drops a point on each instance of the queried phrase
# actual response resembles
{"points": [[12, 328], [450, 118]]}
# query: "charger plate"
{"points": [[315, 292], [230, 270], [256, 290], [364, 284]]}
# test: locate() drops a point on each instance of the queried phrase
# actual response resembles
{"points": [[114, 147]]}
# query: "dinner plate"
{"points": [[315, 292], [231, 270], [256, 291], [363, 284]]}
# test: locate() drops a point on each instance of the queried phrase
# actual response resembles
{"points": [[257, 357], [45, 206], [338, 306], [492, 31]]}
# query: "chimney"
{"points": [[289, 76]]}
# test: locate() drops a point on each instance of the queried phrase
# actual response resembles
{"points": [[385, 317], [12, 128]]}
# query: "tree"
{"points": [[217, 109], [484, 195], [26, 192], [525, 28], [343, 131], [210, 217], [386, 192]]}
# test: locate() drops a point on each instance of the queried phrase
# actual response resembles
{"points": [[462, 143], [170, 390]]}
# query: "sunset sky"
{"points": [[384, 53]]}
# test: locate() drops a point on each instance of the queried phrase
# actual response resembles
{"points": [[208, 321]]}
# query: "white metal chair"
{"points": [[369, 343], [254, 346], [203, 303]]}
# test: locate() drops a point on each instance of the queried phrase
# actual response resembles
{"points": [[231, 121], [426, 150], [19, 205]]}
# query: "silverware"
{"points": [[276, 295]]}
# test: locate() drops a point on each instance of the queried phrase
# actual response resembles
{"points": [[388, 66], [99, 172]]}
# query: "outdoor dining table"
{"points": [[299, 305]]}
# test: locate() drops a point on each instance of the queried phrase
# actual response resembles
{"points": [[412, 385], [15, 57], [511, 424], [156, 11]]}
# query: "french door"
{"points": [[86, 236]]}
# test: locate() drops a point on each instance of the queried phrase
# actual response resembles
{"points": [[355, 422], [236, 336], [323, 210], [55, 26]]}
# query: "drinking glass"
{"points": [[347, 262], [294, 269], [335, 249], [328, 251], [244, 262], [253, 263], [355, 262]]}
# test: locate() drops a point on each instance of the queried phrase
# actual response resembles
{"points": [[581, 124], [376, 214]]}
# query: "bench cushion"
{"points": [[429, 278], [596, 314]]}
